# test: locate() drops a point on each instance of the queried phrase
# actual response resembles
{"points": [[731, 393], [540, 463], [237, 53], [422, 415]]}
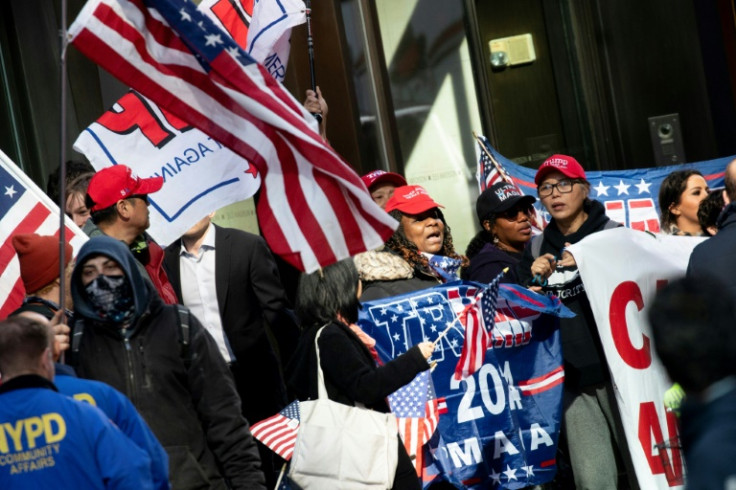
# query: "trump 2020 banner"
{"points": [[630, 196], [200, 175], [622, 270], [497, 428]]}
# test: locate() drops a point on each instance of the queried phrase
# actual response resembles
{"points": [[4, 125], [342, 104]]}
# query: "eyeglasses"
{"points": [[513, 213], [563, 187]]}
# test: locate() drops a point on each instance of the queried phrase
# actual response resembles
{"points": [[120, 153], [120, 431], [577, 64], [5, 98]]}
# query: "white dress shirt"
{"points": [[199, 290]]}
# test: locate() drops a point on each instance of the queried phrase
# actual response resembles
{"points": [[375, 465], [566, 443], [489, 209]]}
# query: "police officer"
{"points": [[48, 440]]}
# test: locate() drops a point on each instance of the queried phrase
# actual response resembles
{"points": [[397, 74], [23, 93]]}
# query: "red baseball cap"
{"points": [[381, 176], [111, 184], [411, 199], [562, 163]]}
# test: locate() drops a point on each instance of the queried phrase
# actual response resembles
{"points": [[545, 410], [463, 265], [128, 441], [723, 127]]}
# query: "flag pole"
{"points": [[62, 154], [502, 173], [310, 49], [465, 310]]}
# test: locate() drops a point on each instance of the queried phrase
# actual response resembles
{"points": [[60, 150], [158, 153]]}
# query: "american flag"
{"points": [[418, 412], [278, 432], [490, 171], [24, 208], [477, 318], [313, 209]]}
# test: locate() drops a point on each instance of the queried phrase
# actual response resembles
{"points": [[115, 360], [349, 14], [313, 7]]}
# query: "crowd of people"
{"points": [[184, 348]]}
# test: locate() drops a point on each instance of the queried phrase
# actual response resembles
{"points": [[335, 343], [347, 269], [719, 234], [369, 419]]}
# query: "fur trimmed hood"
{"points": [[382, 266]]}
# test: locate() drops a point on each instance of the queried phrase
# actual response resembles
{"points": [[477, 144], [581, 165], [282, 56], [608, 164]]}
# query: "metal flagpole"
{"points": [[62, 153], [310, 48]]}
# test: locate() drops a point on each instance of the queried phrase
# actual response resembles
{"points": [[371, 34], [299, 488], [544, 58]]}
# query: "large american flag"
{"points": [[477, 318], [279, 432], [313, 209], [24, 208], [417, 411]]}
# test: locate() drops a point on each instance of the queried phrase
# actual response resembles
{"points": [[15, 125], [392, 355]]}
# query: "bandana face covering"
{"points": [[111, 298]]}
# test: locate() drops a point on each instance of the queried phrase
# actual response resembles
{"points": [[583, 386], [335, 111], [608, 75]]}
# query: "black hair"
{"points": [[692, 326], [323, 295], [709, 209], [22, 341], [401, 245], [74, 168], [669, 194], [106, 215]]}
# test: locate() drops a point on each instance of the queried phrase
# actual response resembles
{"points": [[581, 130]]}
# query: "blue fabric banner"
{"points": [[499, 427], [630, 196]]}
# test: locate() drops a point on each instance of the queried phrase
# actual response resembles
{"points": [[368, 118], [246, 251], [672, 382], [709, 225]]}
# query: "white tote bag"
{"points": [[342, 447]]}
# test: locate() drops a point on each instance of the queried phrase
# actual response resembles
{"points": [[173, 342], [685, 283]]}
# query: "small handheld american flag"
{"points": [[278, 432], [477, 318]]}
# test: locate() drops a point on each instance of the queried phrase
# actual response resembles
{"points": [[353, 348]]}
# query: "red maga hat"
{"points": [[562, 163], [111, 184], [411, 199], [380, 177]]}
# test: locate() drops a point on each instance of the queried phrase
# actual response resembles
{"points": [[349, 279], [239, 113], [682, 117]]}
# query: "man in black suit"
{"points": [[229, 279]]}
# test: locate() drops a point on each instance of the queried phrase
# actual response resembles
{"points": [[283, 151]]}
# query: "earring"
{"points": [[495, 240]]}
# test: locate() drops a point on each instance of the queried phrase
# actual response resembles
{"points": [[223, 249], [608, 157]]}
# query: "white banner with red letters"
{"points": [[622, 270]]}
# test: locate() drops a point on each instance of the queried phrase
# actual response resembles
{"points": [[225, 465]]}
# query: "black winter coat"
{"points": [[582, 351], [715, 257], [186, 396]]}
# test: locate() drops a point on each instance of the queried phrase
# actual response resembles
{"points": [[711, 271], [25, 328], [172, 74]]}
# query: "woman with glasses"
{"points": [[420, 254], [505, 218], [680, 195], [591, 421]]}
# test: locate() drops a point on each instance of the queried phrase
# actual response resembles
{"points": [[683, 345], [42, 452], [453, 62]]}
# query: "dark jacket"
{"points": [[351, 376], [121, 411], [385, 274], [249, 296], [715, 257], [708, 438], [186, 396], [350, 372], [582, 351], [489, 262]]}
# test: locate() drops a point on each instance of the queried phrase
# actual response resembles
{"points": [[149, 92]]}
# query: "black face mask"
{"points": [[111, 298]]}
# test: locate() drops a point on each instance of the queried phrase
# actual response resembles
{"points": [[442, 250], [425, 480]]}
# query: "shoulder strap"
{"points": [[76, 341], [183, 320], [536, 245]]}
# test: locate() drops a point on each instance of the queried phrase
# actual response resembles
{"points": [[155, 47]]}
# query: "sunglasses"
{"points": [[513, 213]]}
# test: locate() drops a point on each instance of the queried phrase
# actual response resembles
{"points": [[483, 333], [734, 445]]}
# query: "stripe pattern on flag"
{"points": [[542, 383], [313, 209], [279, 432], [24, 208], [477, 319], [417, 414]]}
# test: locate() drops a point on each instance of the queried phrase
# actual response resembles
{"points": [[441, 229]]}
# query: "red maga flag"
{"points": [[313, 209]]}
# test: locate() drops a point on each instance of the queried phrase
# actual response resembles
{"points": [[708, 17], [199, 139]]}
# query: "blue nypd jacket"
{"points": [[122, 412], [48, 440]]}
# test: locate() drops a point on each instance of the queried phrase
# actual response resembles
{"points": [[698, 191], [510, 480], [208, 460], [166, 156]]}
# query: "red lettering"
{"points": [[660, 462], [625, 293], [235, 19], [136, 114], [178, 124]]}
